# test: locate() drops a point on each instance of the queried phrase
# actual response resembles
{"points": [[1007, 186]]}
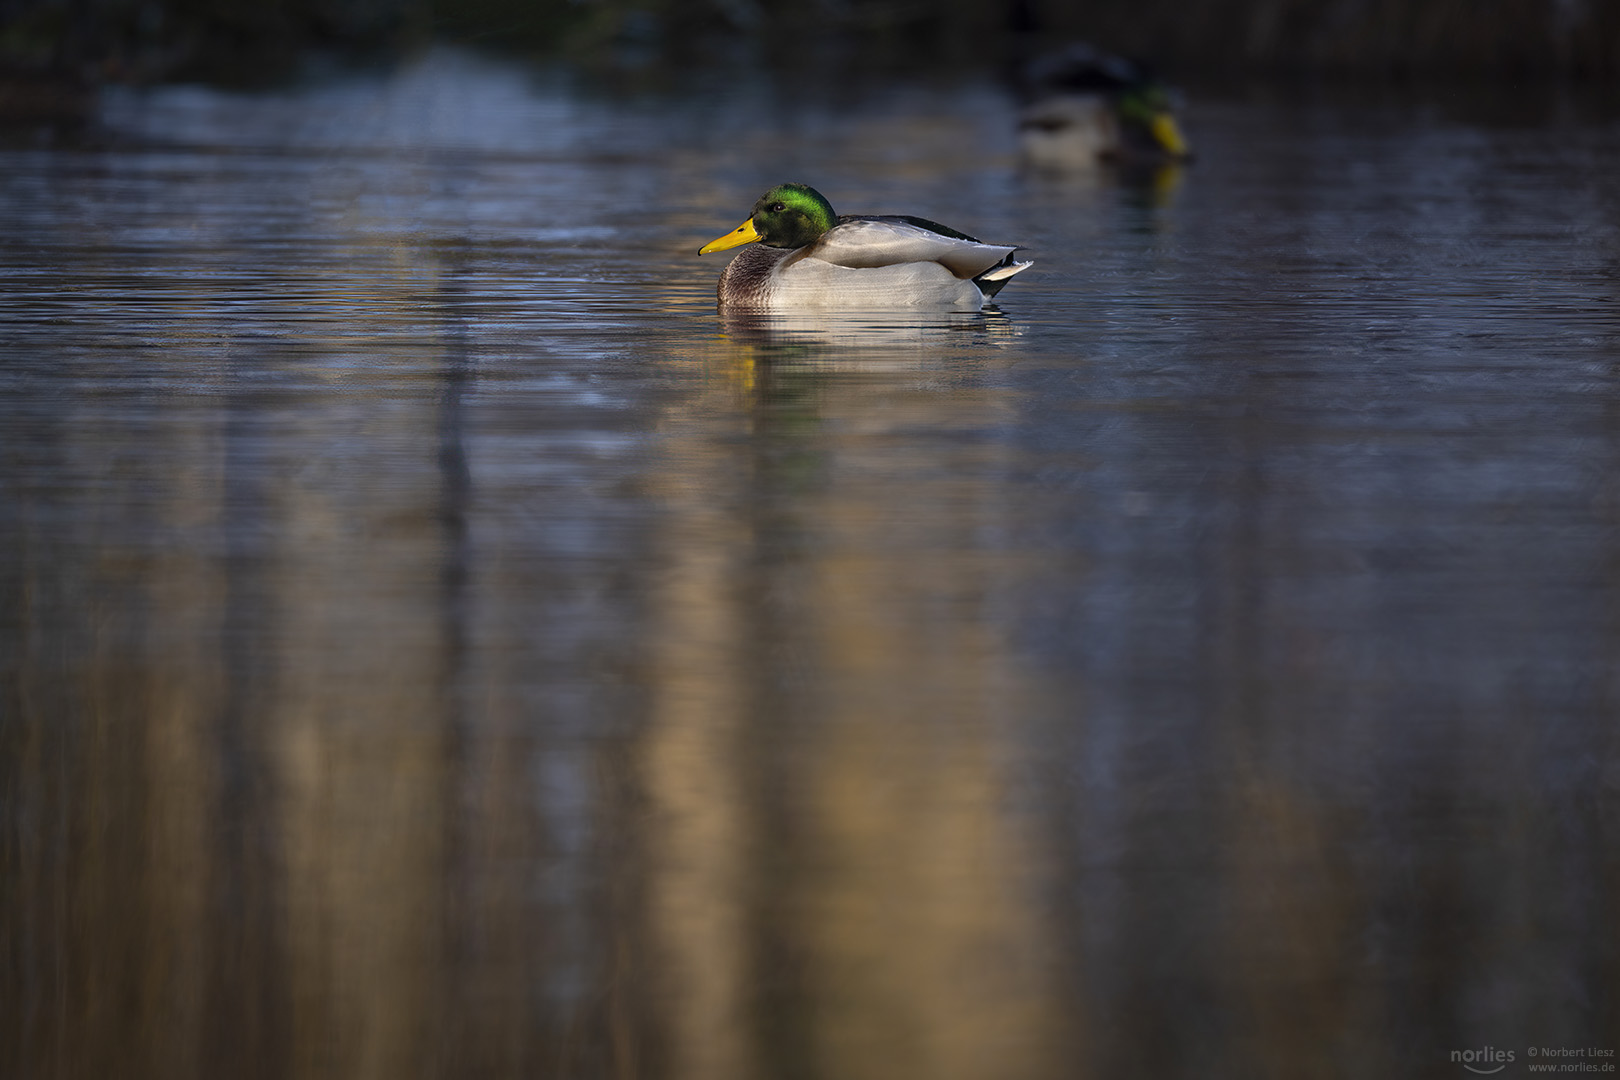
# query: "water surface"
{"points": [[438, 643]]}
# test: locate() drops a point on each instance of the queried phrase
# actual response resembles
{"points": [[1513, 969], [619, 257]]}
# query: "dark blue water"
{"points": [[437, 643]]}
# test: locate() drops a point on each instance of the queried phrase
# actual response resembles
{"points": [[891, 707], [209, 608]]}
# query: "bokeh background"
{"points": [[231, 41]]}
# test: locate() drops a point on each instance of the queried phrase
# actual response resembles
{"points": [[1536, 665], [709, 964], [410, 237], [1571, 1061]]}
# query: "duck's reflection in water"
{"points": [[874, 333]]}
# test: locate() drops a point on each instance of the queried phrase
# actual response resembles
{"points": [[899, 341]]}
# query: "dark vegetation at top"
{"points": [[244, 41]]}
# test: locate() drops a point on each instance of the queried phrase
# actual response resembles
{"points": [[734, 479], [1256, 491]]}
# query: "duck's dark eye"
{"points": [[776, 207]]}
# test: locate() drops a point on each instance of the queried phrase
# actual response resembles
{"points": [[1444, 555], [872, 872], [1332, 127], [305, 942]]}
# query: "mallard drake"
{"points": [[1084, 106], [812, 258]]}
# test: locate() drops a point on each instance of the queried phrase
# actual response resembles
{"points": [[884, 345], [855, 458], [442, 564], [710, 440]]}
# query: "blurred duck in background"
{"points": [[1084, 106]]}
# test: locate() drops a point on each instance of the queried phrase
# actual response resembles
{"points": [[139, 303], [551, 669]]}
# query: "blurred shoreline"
{"points": [[51, 52]]}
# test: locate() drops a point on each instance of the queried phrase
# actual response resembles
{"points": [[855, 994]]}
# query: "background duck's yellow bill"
{"points": [[1168, 134], [742, 234]]}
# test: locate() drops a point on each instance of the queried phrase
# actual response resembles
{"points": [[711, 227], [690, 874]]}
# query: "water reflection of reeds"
{"points": [[373, 773]]}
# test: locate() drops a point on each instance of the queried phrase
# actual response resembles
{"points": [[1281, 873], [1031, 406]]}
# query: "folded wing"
{"points": [[870, 242]]}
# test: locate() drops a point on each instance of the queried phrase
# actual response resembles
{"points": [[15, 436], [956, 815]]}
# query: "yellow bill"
{"points": [[742, 234], [1168, 134]]}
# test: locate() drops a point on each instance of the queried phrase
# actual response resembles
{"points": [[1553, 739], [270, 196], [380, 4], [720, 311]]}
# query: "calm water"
{"points": [[435, 644]]}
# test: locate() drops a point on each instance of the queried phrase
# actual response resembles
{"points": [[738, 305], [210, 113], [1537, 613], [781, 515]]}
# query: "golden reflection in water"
{"points": [[246, 783], [356, 730], [817, 808], [696, 779], [1293, 913], [291, 824], [171, 723]]}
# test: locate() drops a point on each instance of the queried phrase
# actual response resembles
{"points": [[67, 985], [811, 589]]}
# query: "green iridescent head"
{"points": [[792, 215], [787, 216]]}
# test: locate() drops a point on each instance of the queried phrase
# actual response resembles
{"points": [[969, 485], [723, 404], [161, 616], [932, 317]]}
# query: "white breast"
{"points": [[816, 283]]}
